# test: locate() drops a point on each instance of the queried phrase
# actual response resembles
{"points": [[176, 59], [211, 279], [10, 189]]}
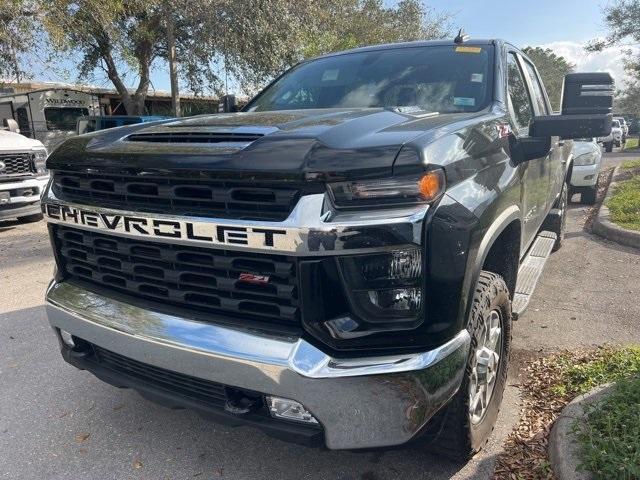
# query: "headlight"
{"points": [[404, 190], [40, 161], [385, 287], [586, 159]]}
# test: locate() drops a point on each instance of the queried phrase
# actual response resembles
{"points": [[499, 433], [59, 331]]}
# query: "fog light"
{"points": [[289, 410], [67, 339]]}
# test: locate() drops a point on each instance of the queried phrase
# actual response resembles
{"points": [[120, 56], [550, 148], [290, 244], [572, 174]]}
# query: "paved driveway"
{"points": [[60, 423]]}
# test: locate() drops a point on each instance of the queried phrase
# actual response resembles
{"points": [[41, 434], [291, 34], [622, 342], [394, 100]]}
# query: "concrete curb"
{"points": [[603, 226], [563, 449]]}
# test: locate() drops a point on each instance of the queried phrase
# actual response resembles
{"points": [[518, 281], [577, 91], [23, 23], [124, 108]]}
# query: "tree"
{"points": [[621, 18], [111, 35], [552, 69], [17, 34], [628, 100], [205, 40], [354, 23]]}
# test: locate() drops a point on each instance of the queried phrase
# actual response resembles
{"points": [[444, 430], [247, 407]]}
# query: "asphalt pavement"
{"points": [[60, 423]]}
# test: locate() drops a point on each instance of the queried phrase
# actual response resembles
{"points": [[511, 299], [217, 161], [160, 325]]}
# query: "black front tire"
{"points": [[459, 437], [36, 217], [608, 147]]}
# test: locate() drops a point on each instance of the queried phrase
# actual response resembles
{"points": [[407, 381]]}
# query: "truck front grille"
{"points": [[194, 196], [193, 278], [16, 164]]}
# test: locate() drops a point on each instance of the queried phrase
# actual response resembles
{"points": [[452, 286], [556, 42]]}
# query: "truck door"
{"points": [[535, 173], [556, 160]]}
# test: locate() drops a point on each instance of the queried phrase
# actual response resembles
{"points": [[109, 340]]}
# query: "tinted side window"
{"points": [[518, 95], [538, 94]]}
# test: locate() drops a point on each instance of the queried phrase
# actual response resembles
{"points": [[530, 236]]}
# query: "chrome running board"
{"points": [[530, 270]]}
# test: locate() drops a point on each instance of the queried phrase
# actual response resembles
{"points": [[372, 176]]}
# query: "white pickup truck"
{"points": [[23, 176]]}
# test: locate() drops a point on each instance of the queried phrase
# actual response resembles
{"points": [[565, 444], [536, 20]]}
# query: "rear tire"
{"points": [[464, 430], [608, 147], [36, 217], [588, 196]]}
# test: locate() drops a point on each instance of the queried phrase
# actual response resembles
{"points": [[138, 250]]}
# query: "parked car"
{"points": [[93, 123], [587, 158], [614, 138], [337, 264], [23, 174], [625, 128]]}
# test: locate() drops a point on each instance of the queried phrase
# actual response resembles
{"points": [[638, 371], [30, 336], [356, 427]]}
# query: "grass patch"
{"points": [[631, 143], [549, 384], [609, 436], [630, 164], [608, 365], [624, 204]]}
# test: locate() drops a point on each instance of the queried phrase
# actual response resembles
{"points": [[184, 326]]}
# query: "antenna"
{"points": [[462, 36]]}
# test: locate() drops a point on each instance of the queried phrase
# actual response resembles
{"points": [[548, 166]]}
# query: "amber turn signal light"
{"points": [[431, 185]]}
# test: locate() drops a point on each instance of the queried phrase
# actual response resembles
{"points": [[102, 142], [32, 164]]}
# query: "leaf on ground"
{"points": [[137, 464], [82, 437]]}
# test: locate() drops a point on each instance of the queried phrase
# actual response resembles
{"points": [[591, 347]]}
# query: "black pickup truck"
{"points": [[340, 262]]}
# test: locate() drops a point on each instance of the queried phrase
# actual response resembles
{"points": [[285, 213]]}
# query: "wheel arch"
{"points": [[503, 233]]}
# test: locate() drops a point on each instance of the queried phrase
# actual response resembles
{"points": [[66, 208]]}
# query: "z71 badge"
{"points": [[187, 231]]}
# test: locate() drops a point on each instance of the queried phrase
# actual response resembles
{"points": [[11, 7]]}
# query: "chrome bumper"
{"points": [[19, 204], [361, 403]]}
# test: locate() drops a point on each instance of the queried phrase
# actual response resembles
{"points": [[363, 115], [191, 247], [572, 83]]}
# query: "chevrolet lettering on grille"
{"points": [[159, 228]]}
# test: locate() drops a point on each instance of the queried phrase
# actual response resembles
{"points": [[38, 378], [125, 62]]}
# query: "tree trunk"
{"points": [[173, 68]]}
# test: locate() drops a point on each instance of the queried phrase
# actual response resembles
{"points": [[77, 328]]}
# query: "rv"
{"points": [[48, 115]]}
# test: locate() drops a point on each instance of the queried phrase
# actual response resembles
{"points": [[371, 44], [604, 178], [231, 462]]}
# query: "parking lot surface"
{"points": [[60, 423]]}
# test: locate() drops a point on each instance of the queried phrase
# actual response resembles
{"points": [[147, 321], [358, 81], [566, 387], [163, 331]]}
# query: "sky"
{"points": [[565, 26], [562, 25]]}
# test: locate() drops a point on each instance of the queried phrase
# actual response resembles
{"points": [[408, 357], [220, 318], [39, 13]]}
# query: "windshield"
{"points": [[436, 78], [63, 118], [615, 123]]}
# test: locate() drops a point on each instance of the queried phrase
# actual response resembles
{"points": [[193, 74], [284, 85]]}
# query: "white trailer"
{"points": [[48, 115]]}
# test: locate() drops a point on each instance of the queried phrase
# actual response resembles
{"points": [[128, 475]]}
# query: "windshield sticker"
{"points": [[464, 101], [468, 49], [330, 75], [477, 77]]}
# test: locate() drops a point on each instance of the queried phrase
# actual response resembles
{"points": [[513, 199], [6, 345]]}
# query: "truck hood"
{"points": [[14, 141], [298, 143]]}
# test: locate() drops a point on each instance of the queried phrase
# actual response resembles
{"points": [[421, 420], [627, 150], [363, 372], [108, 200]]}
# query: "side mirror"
{"points": [[11, 125], [587, 102], [528, 148]]}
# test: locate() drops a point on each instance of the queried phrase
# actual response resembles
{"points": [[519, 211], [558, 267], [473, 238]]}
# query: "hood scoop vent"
{"points": [[194, 137]]}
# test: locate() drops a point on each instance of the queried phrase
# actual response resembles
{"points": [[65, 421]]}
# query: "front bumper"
{"points": [[360, 402], [585, 175], [19, 203]]}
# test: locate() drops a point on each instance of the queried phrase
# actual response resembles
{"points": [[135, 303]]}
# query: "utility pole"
{"points": [[173, 67]]}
